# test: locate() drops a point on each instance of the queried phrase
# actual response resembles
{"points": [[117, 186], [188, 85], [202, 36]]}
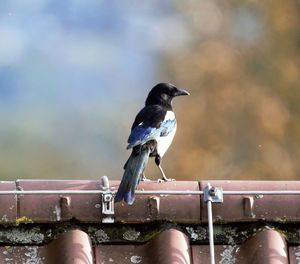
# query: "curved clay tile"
{"points": [[73, 247], [170, 246]]}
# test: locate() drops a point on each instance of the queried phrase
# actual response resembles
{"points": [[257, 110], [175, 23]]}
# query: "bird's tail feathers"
{"points": [[135, 166]]}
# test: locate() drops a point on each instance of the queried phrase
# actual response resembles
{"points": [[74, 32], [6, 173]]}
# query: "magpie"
{"points": [[151, 135]]}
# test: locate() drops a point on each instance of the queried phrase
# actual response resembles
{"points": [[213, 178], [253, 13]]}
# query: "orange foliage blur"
{"points": [[242, 120]]}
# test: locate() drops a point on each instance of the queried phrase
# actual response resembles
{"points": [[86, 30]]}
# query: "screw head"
{"points": [[212, 191], [107, 198]]}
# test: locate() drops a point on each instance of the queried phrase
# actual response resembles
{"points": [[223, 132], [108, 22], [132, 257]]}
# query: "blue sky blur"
{"points": [[72, 76]]}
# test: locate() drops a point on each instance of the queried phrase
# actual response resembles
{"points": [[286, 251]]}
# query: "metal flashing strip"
{"points": [[144, 192]]}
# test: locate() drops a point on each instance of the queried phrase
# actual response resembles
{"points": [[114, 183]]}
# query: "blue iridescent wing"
{"points": [[140, 134]]}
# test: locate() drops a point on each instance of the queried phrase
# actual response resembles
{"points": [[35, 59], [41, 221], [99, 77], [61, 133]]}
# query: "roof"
{"points": [[69, 228]]}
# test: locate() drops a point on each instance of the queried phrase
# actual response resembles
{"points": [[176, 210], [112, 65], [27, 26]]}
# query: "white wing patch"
{"points": [[163, 143]]}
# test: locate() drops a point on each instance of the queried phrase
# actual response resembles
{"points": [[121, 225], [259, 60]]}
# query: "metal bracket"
{"points": [[108, 210], [213, 194]]}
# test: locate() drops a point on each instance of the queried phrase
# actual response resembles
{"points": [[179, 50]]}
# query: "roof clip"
{"points": [[213, 194], [108, 210]]}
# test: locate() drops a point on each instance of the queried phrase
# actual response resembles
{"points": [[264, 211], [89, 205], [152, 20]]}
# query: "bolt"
{"points": [[212, 191], [107, 197]]}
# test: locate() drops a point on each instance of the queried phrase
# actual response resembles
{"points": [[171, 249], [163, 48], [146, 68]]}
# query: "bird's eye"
{"points": [[164, 96]]}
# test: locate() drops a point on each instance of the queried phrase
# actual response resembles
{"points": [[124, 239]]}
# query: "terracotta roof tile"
{"points": [[184, 209], [267, 245], [294, 254], [55, 208], [72, 247], [251, 208], [8, 213], [170, 246], [156, 229], [161, 207]]}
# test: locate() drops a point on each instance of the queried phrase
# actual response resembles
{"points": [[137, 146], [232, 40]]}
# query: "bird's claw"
{"points": [[165, 179], [144, 179]]}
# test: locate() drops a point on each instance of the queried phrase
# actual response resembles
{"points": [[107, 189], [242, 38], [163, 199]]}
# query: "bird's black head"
{"points": [[163, 94]]}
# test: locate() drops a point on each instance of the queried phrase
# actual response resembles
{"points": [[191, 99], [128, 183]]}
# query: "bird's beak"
{"points": [[181, 92]]}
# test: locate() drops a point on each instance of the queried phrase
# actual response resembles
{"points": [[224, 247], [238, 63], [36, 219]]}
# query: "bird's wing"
{"points": [[150, 124], [150, 116]]}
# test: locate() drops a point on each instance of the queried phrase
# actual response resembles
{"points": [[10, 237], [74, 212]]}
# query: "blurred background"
{"points": [[74, 73]]}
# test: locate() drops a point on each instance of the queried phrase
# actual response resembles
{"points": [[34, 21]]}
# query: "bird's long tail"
{"points": [[134, 168]]}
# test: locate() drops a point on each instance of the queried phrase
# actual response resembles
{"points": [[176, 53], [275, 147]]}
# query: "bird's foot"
{"points": [[165, 179], [144, 179]]}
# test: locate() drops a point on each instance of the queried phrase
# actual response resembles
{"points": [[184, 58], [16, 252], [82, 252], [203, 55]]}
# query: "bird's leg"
{"points": [[164, 177]]}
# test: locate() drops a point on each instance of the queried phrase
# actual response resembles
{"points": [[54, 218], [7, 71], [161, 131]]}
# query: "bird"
{"points": [[151, 135]]}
